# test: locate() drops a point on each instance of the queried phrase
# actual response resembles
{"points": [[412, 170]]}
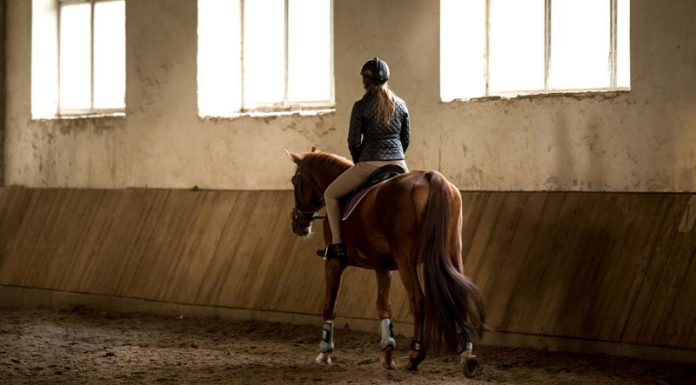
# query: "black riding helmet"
{"points": [[376, 70]]}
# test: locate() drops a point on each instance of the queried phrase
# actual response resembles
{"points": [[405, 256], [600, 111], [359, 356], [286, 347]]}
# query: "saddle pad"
{"points": [[355, 200]]}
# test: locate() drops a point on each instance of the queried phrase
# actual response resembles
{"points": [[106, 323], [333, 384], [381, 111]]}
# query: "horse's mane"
{"points": [[325, 163]]}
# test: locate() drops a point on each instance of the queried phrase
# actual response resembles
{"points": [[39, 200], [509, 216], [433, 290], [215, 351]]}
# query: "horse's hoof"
{"points": [[411, 365], [386, 360], [323, 359], [414, 359], [470, 364]]}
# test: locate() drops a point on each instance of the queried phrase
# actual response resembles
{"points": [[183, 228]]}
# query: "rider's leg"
{"points": [[345, 183]]}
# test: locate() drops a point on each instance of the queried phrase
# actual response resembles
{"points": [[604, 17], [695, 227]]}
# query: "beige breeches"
{"points": [[345, 183]]}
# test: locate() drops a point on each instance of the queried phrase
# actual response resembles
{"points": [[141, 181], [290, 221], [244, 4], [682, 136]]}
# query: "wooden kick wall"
{"points": [[614, 267]]}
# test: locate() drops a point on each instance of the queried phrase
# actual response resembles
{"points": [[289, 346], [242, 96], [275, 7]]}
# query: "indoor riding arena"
{"points": [[167, 170]]}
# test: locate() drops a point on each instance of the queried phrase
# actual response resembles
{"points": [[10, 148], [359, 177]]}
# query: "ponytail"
{"points": [[384, 97]]}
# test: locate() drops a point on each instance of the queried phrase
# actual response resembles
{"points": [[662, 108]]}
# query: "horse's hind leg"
{"points": [[333, 269], [409, 277], [388, 342], [467, 359]]}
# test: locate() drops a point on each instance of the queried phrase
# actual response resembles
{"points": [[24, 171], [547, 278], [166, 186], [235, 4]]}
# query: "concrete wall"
{"points": [[638, 141], [3, 100]]}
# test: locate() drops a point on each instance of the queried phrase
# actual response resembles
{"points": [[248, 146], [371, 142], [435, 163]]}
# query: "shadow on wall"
{"points": [[594, 143], [588, 265], [563, 154], [580, 160]]}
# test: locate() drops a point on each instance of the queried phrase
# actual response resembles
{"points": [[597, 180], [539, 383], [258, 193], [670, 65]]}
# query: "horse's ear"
{"points": [[315, 148], [294, 157]]}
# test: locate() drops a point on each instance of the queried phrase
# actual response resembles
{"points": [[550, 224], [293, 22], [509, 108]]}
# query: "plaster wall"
{"points": [[643, 140], [3, 100]]}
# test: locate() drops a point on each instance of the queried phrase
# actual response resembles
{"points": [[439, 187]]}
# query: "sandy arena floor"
{"points": [[79, 346]]}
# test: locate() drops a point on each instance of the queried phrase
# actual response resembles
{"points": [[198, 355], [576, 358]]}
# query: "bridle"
{"points": [[306, 215]]}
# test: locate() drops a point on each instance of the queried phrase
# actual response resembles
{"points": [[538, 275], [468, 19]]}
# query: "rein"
{"points": [[309, 214]]}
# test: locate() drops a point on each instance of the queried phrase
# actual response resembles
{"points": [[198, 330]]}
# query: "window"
{"points": [[78, 57], [514, 47], [264, 55]]}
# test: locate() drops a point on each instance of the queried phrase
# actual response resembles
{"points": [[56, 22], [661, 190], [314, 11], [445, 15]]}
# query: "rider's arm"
{"points": [[355, 133], [405, 130]]}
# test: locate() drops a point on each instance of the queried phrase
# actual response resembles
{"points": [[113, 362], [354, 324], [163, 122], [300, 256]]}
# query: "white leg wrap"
{"points": [[324, 358], [387, 334], [327, 345], [469, 348]]}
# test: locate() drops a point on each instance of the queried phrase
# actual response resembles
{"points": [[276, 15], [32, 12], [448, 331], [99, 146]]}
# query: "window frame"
{"points": [[613, 58], [89, 111], [284, 106]]}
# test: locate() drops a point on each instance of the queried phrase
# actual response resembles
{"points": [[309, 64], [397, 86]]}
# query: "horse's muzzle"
{"points": [[302, 231], [302, 222]]}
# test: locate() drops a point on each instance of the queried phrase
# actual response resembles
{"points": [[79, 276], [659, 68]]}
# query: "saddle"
{"points": [[351, 201]]}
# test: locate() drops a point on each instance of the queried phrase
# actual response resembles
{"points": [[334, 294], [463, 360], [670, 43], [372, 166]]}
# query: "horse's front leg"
{"points": [[388, 342], [333, 270]]}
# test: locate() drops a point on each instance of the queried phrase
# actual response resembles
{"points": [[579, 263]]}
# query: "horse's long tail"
{"points": [[453, 305]]}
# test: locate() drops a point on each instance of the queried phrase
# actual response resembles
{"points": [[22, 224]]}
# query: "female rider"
{"points": [[379, 134]]}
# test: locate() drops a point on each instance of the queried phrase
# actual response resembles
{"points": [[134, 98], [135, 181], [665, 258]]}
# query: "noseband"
{"points": [[301, 214]]}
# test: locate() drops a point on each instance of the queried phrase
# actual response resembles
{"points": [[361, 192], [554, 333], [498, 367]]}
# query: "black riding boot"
{"points": [[335, 250]]}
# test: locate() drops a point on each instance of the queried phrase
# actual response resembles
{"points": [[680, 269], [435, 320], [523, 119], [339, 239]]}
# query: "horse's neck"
{"points": [[325, 179], [327, 173]]}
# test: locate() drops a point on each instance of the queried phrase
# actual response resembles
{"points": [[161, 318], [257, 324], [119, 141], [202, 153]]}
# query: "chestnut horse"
{"points": [[411, 221]]}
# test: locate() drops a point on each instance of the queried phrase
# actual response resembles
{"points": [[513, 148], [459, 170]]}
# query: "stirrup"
{"points": [[334, 250]]}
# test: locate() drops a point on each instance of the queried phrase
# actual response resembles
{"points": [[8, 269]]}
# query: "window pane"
{"points": [[516, 45], [44, 59], [264, 52], [623, 46], [462, 49], [309, 50], [580, 44], [219, 57], [75, 57], [109, 54]]}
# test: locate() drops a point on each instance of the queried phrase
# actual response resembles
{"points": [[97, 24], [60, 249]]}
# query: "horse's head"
{"points": [[308, 196]]}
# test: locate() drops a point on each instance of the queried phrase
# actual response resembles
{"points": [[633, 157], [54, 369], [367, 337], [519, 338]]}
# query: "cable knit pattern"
{"points": [[371, 139]]}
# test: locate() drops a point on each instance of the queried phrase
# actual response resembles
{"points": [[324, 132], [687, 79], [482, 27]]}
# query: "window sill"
{"points": [[578, 95], [270, 114], [85, 116]]}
